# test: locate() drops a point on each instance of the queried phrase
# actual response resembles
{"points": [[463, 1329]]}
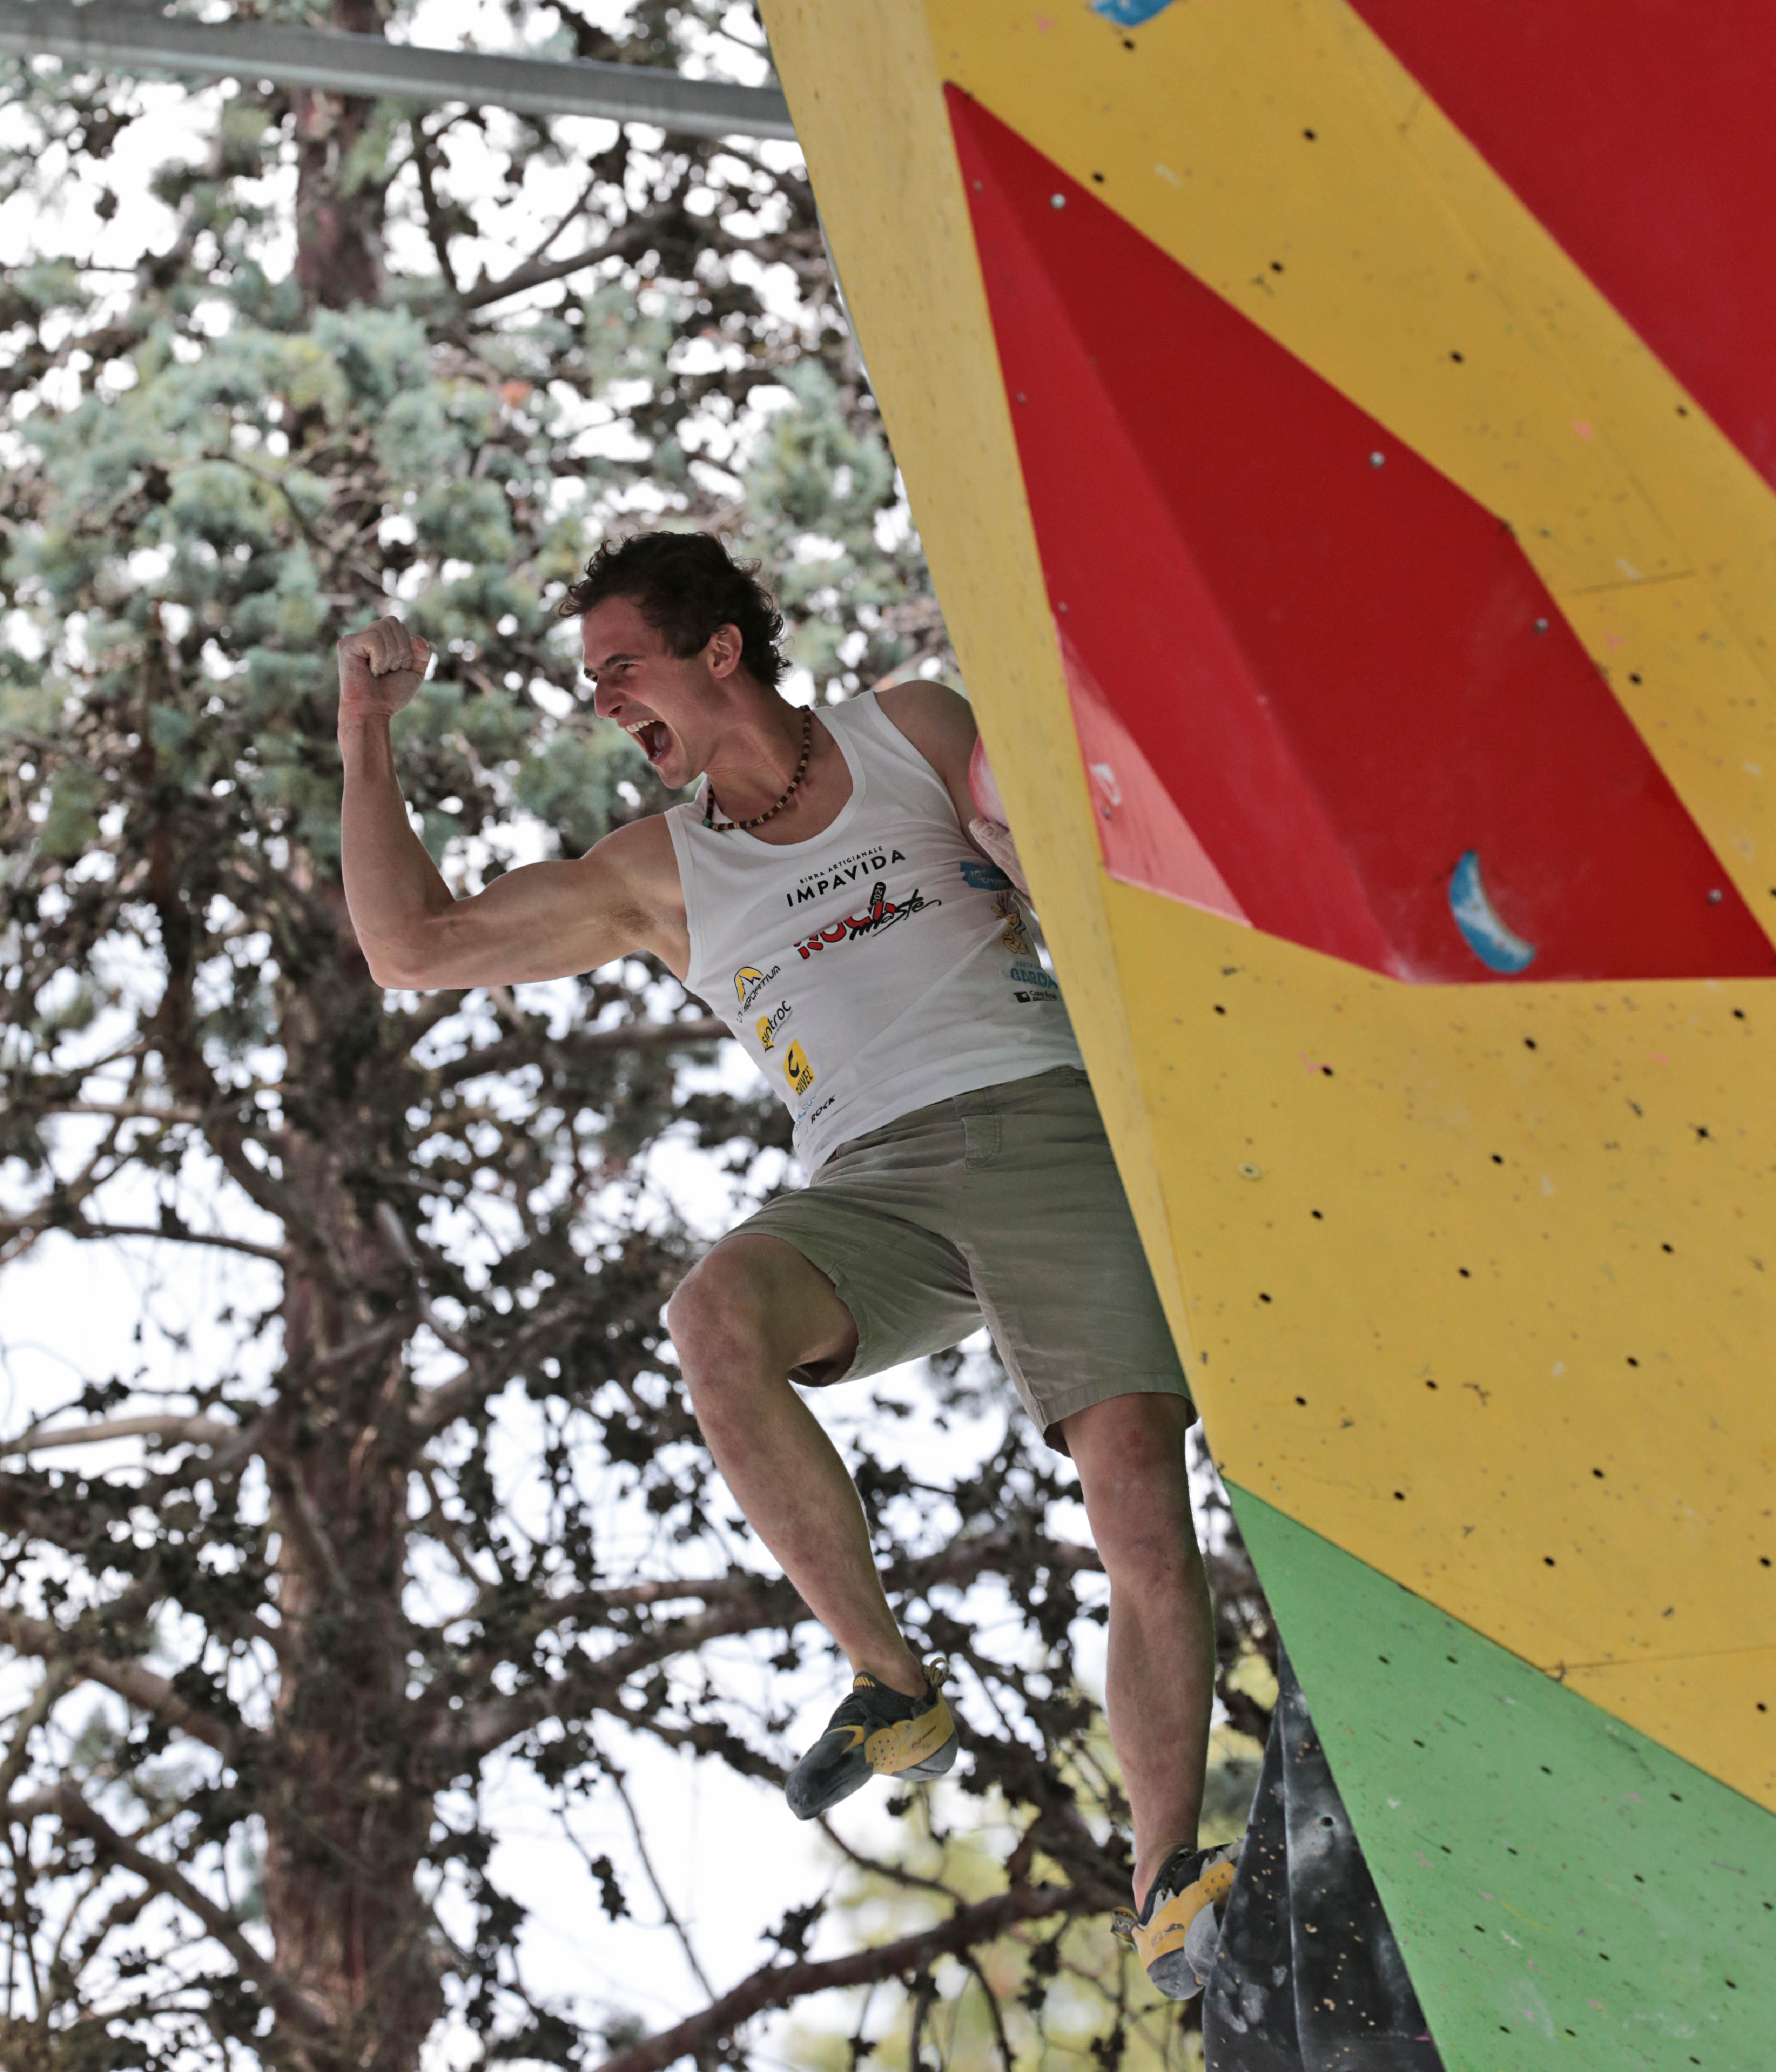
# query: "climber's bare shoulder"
{"points": [[940, 723]]}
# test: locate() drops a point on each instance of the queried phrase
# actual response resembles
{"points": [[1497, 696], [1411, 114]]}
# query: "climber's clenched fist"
{"points": [[380, 668]]}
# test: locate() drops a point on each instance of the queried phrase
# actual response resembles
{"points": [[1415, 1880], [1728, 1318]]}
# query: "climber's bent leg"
{"points": [[1003, 1204], [1129, 1452], [753, 1310]]}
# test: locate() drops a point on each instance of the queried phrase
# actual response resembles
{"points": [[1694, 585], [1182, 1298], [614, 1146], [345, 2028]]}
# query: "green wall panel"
{"points": [[1567, 1893]]}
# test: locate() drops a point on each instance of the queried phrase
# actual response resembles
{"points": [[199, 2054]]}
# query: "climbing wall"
{"points": [[1345, 441]]}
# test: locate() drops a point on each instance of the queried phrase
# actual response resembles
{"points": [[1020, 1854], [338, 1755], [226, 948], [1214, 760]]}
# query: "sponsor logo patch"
{"points": [[797, 1070], [749, 982], [830, 876], [1014, 936], [881, 913], [770, 1024]]}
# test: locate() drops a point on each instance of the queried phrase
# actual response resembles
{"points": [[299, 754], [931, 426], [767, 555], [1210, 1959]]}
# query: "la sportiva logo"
{"points": [[749, 982], [882, 913]]}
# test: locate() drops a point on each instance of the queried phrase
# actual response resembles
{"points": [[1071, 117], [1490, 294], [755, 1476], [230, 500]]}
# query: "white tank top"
{"points": [[880, 967]]}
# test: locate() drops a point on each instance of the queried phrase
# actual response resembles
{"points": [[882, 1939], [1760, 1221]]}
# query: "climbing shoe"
{"points": [[876, 1731], [1178, 1928]]}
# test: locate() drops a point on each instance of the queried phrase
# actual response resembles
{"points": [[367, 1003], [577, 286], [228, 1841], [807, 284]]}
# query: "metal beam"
{"points": [[135, 38]]}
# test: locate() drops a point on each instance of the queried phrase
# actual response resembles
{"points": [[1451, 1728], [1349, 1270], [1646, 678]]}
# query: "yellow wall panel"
{"points": [[1375, 1189], [1483, 1285]]}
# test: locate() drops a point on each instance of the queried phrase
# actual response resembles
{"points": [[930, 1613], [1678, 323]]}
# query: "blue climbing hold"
{"points": [[1495, 945], [1128, 14]]}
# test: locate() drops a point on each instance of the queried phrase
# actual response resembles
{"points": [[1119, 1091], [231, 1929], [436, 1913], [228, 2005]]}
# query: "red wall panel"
{"points": [[1344, 673]]}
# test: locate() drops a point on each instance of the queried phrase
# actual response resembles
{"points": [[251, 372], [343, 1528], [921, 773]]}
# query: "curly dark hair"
{"points": [[686, 585]]}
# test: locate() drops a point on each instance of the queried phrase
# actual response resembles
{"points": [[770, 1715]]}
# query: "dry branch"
{"points": [[33, 1227], [776, 1985], [172, 1431], [140, 1687], [74, 1809]]}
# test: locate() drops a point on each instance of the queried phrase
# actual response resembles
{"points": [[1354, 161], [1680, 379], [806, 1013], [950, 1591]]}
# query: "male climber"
{"points": [[820, 892]]}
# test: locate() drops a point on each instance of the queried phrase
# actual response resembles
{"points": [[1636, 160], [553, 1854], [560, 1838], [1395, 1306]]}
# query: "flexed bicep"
{"points": [[545, 921]]}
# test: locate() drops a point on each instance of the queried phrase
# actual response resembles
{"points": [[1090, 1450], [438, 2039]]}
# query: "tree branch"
{"points": [[478, 1730], [502, 1056], [80, 1227], [777, 1985], [743, 1603], [630, 245], [129, 1111], [295, 1515], [959, 1563], [435, 1407], [140, 1687], [578, 209], [1001, 2042], [44, 1701], [391, 1331], [677, 1926], [72, 1807], [389, 1223], [897, 1873], [191, 1431], [434, 217]]}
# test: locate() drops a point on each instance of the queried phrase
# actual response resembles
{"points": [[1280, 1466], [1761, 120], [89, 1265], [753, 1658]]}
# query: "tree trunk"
{"points": [[347, 1820], [339, 214], [346, 1817]]}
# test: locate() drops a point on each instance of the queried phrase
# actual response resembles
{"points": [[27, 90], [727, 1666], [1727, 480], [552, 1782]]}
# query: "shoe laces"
{"points": [[1180, 1870], [868, 1697]]}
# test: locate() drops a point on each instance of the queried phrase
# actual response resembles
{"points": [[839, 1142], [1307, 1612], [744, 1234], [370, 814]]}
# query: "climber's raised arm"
{"points": [[542, 920]]}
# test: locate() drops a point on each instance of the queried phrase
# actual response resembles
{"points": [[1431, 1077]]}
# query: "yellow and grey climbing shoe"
{"points": [[876, 1731], [1178, 1928]]}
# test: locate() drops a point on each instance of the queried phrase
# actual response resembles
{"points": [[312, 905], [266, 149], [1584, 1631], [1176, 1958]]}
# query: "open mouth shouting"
{"points": [[654, 735]]}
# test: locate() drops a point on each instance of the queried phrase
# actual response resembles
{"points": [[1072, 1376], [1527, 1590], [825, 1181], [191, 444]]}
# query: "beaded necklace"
{"points": [[725, 827]]}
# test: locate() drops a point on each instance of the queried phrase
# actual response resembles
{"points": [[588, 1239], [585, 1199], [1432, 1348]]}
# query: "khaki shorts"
{"points": [[1001, 1206]]}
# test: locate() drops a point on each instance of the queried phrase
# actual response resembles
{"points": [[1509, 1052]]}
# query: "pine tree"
{"points": [[273, 1649]]}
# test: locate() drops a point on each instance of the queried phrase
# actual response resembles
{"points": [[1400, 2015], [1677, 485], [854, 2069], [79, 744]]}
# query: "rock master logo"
{"points": [[882, 913]]}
